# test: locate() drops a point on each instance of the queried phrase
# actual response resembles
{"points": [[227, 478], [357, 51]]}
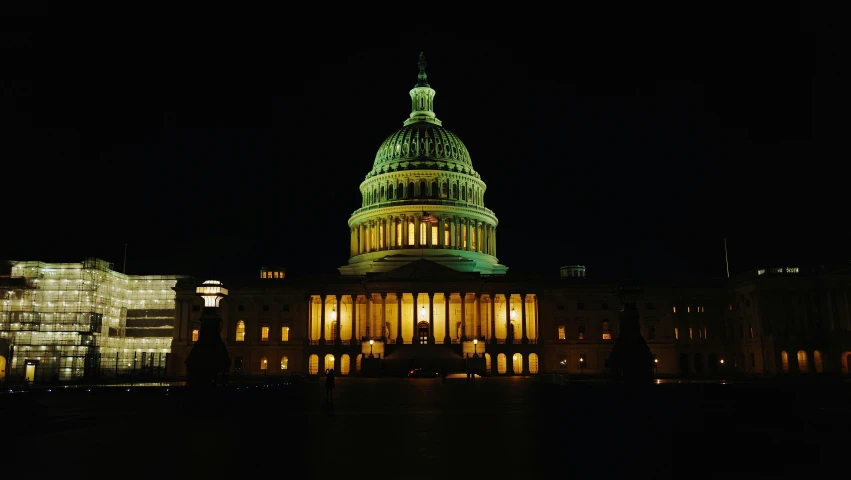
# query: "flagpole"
{"points": [[726, 259]]}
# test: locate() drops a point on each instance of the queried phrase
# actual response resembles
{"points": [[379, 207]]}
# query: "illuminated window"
{"points": [[817, 360], [285, 363], [561, 335], [675, 309], [473, 239], [399, 236], [464, 237], [264, 363], [313, 364], [434, 238], [784, 361], [607, 335], [285, 334], [676, 333], [411, 234], [688, 309], [690, 333], [730, 307], [195, 335], [264, 334], [803, 365], [751, 331], [422, 233], [581, 330], [533, 363], [240, 331], [446, 241], [705, 335]]}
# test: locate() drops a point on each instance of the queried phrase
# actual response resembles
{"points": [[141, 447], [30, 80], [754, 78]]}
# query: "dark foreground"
{"points": [[423, 428]]}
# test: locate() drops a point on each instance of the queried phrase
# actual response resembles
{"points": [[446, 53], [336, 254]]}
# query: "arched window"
{"points": [[411, 232], [500, 364], [533, 363], [817, 361], [400, 190], [445, 190], [264, 363], [382, 194], [463, 192], [390, 192], [803, 364], [375, 196], [329, 362], [454, 190], [240, 331], [285, 363], [784, 361], [345, 364], [517, 363], [423, 191], [358, 361], [488, 362], [410, 190], [434, 190], [313, 364]]}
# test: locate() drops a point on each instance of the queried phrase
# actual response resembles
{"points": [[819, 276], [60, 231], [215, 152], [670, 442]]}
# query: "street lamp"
{"points": [[265, 365], [581, 364], [722, 361], [370, 347], [656, 365], [331, 358], [475, 348]]}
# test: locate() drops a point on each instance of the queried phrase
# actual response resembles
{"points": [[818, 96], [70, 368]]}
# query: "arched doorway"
{"points": [[329, 362], [517, 363], [345, 364], [422, 333], [2, 368], [313, 364], [846, 363]]}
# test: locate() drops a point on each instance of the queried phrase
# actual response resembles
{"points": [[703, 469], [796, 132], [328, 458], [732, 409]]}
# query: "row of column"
{"points": [[383, 234], [509, 337]]}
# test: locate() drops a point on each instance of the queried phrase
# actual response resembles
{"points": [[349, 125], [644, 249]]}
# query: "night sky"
{"points": [[222, 145]]}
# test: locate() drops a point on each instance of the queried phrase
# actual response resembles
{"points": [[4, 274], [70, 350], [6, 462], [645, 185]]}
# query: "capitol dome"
{"points": [[422, 199]]}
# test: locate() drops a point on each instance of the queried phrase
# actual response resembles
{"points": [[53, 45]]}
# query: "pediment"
{"points": [[423, 270]]}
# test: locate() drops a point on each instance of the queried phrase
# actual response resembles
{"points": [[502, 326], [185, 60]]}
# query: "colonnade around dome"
{"points": [[433, 184], [399, 231]]}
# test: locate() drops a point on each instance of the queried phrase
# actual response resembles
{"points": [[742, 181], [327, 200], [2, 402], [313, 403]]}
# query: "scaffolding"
{"points": [[74, 321]]}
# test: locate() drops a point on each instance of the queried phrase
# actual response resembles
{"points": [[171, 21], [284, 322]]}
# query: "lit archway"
{"points": [[329, 362], [345, 364], [313, 364], [803, 363], [533, 363], [818, 361], [500, 364], [240, 331], [846, 363], [488, 362], [784, 361], [358, 362], [2, 367], [517, 363]]}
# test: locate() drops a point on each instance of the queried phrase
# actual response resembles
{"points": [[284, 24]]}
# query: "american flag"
{"points": [[428, 218]]}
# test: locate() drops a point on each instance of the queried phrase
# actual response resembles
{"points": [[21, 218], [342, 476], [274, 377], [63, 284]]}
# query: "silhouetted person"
{"points": [[209, 357], [443, 374], [329, 386]]}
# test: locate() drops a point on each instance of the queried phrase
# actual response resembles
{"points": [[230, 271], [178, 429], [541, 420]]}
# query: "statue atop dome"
{"points": [[422, 79]]}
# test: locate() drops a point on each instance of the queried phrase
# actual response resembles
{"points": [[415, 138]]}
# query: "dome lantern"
{"points": [[422, 98]]}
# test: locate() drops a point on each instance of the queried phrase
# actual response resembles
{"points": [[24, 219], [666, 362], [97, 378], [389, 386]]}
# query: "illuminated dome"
{"points": [[422, 199], [422, 145]]}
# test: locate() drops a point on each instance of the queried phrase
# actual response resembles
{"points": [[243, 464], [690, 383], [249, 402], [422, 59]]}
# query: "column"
{"points": [[352, 242], [508, 336], [428, 227], [339, 322], [446, 338], [469, 228], [523, 314], [368, 316], [309, 309], [463, 316], [493, 249], [383, 316], [392, 233], [493, 319], [364, 235], [441, 233], [399, 340], [376, 234], [478, 316], [322, 322], [431, 317], [414, 317], [354, 317], [452, 243], [417, 231]]}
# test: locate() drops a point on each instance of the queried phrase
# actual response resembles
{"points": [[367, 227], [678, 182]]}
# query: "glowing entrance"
{"points": [[422, 332], [29, 376], [2, 368]]}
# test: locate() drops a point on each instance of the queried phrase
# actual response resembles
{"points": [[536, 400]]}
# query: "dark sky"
{"points": [[225, 144]]}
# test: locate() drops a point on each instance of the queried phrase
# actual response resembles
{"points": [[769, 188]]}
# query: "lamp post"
{"points": [[265, 366], [581, 365], [371, 341], [475, 348], [656, 365]]}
